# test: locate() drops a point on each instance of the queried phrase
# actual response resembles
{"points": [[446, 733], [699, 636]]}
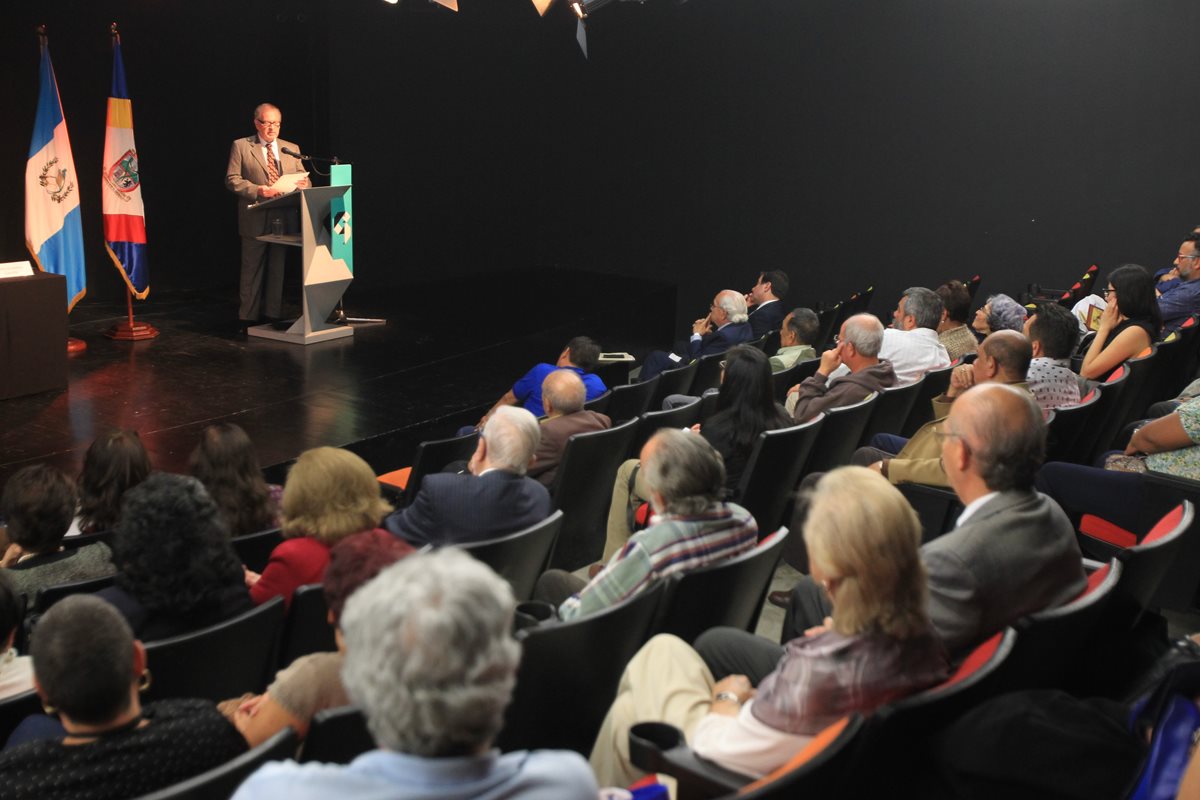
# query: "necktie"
{"points": [[272, 170]]}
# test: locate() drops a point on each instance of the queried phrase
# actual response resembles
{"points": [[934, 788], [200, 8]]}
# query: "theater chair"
{"points": [[678, 417], [935, 382], [306, 629], [773, 470], [892, 410], [1065, 439], [337, 736], [797, 373], [401, 485], [631, 400], [674, 381], [254, 549], [222, 781], [520, 557], [839, 436]]}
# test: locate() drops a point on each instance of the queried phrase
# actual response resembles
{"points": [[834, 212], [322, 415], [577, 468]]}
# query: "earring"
{"points": [[50, 710], [145, 681]]}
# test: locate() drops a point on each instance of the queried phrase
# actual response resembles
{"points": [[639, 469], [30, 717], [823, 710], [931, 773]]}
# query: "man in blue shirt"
{"points": [[580, 356], [1179, 299]]}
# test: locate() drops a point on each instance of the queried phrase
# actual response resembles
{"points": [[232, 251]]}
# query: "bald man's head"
{"points": [[563, 392], [1012, 351], [1004, 431]]}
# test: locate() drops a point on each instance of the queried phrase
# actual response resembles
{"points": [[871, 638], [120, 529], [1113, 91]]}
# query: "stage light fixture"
{"points": [[583, 8], [542, 6], [450, 4]]}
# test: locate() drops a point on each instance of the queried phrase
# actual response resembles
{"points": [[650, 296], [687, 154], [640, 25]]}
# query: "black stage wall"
{"points": [[897, 140]]}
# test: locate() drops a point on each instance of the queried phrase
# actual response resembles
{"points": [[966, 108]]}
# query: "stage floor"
{"points": [[446, 353]]}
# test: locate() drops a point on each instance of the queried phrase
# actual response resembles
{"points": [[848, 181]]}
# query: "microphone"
{"points": [[290, 152]]}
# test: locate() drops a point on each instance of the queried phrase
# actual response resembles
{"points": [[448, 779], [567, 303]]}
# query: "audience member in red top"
{"points": [[114, 464], [225, 463], [329, 495]]}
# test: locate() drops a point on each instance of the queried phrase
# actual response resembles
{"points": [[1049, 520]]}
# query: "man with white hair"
{"points": [[726, 325], [857, 348], [432, 663], [911, 345], [563, 396], [494, 499]]}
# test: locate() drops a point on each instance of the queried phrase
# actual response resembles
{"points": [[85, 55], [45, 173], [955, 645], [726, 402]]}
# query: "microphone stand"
{"points": [[338, 317]]}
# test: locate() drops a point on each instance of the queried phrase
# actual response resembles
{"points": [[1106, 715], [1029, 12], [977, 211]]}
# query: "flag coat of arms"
{"points": [[53, 230], [124, 216]]}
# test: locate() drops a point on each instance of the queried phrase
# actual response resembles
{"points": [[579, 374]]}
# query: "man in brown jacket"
{"points": [[857, 347], [563, 395]]}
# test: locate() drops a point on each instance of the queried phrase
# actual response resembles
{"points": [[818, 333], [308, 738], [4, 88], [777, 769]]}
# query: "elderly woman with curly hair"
{"points": [[176, 569], [431, 661], [329, 495], [225, 463]]}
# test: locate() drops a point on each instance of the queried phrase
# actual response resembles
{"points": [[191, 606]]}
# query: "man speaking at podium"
{"points": [[255, 164]]}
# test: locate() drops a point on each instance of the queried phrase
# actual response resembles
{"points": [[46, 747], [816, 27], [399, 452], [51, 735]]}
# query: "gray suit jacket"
{"points": [[246, 172], [1016, 555]]}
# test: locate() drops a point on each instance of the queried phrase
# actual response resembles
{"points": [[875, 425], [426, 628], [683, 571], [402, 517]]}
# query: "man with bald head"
{"points": [[857, 347], [725, 326], [563, 396]]}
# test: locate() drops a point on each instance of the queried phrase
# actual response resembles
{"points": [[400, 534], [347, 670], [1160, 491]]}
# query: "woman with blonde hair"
{"points": [[330, 494], [863, 546]]}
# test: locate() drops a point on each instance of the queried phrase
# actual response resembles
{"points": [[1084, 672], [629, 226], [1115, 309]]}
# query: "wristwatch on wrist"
{"points": [[730, 696]]}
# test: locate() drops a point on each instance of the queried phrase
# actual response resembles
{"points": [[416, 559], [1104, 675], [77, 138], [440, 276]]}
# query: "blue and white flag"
{"points": [[53, 230]]}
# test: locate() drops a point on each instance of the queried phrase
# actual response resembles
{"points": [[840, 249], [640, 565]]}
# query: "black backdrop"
{"points": [[849, 141]]}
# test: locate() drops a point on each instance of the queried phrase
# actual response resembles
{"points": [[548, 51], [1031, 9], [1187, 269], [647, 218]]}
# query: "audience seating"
{"points": [[1112, 406], [934, 383], [1178, 375], [613, 373], [306, 629], [892, 410], [973, 287], [674, 381], [651, 421], [708, 373], [599, 404], [254, 549], [16, 708], [431, 456], [760, 343], [773, 470], [1065, 436], [838, 437], [797, 373], [84, 539], [826, 318], [337, 736], [727, 593], [708, 405], [222, 781], [1085, 344], [583, 490], [569, 674], [936, 507], [821, 767], [520, 557], [632, 400], [771, 343], [219, 662], [50, 595]]}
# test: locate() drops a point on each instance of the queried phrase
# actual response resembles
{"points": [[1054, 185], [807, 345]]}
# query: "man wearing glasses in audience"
{"points": [[1179, 289]]}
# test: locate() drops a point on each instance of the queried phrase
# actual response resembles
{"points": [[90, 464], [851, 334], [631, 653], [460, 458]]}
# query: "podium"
{"points": [[326, 254]]}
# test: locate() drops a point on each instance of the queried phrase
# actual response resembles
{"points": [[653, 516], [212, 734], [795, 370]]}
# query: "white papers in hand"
{"points": [[287, 183]]}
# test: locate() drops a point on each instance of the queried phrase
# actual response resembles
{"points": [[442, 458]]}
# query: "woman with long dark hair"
{"points": [[1129, 324], [225, 463], [114, 464]]}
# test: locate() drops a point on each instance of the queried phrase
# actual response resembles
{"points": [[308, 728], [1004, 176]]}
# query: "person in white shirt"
{"points": [[911, 345]]}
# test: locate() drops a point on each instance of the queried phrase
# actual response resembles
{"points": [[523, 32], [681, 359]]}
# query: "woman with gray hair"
{"points": [[430, 660], [999, 313]]}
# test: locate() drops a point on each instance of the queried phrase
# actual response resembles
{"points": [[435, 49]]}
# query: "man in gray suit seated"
{"points": [[1012, 553]]}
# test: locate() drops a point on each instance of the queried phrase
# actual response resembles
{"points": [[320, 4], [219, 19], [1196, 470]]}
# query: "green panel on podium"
{"points": [[341, 217]]}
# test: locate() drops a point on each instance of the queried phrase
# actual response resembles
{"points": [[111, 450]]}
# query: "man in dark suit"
{"points": [[725, 326], [495, 498], [563, 396], [764, 299], [255, 163]]}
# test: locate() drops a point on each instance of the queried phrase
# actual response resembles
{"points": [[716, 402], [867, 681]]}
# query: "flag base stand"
{"points": [[130, 331], [75, 345]]}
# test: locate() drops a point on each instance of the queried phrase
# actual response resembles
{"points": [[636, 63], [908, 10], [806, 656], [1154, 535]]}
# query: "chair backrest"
{"points": [[770, 342], [973, 286], [937, 508], [1064, 433], [583, 490], [50, 595], [578, 664], [222, 661], [631, 400], [935, 382], [433, 456], [892, 410], [613, 373], [254, 549], [84, 539], [1148, 562], [773, 471], [16, 708], [1134, 399], [674, 381], [826, 319], [306, 629], [708, 405], [222, 781], [728, 593], [337, 736], [838, 437], [651, 421], [1178, 376], [599, 404], [787, 378], [708, 373], [520, 557], [1100, 431], [822, 768]]}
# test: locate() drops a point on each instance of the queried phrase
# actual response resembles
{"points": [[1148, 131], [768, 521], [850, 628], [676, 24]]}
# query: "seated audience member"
{"points": [[1130, 322], [89, 667], [745, 408], [16, 671], [563, 396], [911, 345], [1053, 333], [39, 502], [176, 570], [765, 302], [999, 313], [579, 356], [691, 527], [863, 541], [225, 463], [313, 682], [857, 347], [1180, 299], [797, 339], [113, 464], [725, 326], [953, 331], [330, 494], [493, 499], [1118, 493], [431, 661], [1013, 550]]}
